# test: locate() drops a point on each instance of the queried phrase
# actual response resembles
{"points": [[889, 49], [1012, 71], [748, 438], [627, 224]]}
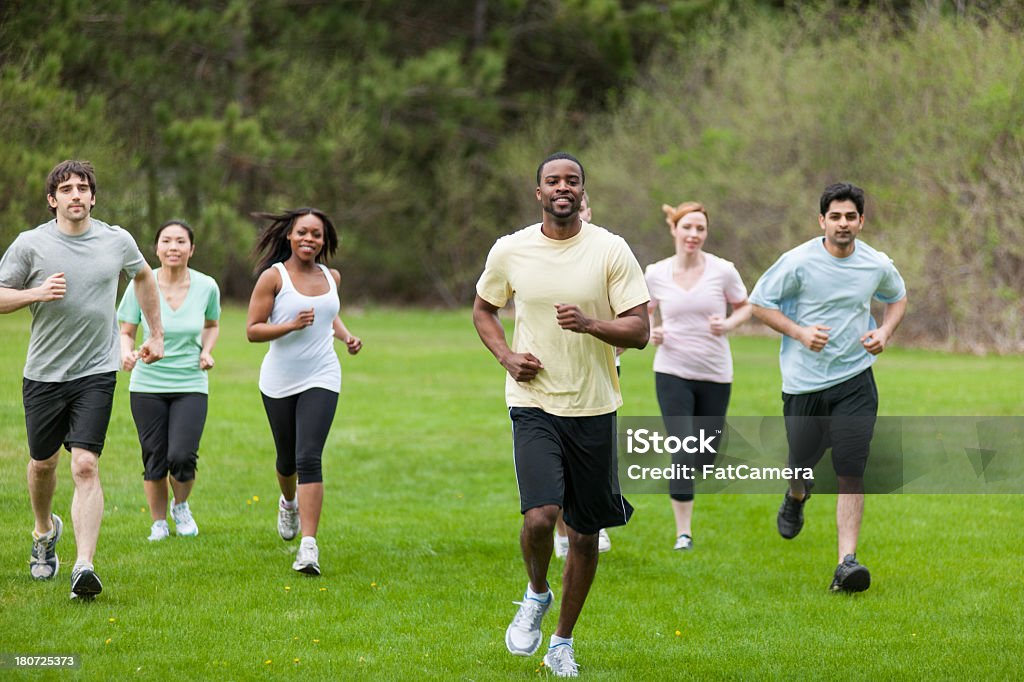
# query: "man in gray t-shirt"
{"points": [[66, 271]]}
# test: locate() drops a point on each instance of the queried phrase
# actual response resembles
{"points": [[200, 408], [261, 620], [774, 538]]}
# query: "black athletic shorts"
{"points": [[73, 413], [569, 462], [841, 417]]}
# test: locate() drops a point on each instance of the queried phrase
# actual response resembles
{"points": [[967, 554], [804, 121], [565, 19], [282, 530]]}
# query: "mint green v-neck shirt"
{"points": [[178, 371]]}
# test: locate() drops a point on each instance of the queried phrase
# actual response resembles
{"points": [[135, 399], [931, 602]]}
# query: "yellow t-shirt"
{"points": [[594, 270]]}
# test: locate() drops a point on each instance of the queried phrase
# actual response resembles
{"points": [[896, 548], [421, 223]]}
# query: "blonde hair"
{"points": [[674, 213]]}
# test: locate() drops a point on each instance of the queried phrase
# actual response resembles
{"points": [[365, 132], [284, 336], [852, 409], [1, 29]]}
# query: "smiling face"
{"points": [[841, 223], [307, 237], [561, 189], [174, 246], [690, 232], [73, 199]]}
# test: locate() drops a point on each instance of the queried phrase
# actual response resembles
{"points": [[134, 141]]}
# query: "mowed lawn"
{"points": [[420, 528]]}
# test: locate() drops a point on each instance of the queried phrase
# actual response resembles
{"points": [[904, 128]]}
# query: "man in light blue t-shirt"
{"points": [[818, 295]]}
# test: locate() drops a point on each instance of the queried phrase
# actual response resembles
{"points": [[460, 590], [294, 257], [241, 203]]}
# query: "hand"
{"points": [[719, 327], [53, 288], [205, 360], [875, 341], [128, 360], [814, 336], [658, 335], [571, 318], [152, 350], [303, 319], [522, 366], [354, 344]]}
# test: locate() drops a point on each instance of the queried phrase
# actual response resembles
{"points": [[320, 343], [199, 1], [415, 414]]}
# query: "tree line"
{"points": [[417, 127]]}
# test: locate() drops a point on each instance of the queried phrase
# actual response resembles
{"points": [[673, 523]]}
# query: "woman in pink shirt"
{"points": [[690, 292]]}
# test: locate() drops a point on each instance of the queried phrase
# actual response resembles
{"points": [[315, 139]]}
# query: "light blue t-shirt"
{"points": [[178, 371], [811, 286]]}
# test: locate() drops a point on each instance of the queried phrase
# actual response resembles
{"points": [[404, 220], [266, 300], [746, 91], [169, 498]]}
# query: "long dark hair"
{"points": [[272, 246]]}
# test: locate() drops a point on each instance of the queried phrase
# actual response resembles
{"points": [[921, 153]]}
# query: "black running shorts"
{"points": [[73, 413], [569, 462], [841, 417]]}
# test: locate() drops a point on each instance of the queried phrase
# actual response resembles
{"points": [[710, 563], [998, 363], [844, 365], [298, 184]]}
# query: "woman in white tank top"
{"points": [[294, 306]]}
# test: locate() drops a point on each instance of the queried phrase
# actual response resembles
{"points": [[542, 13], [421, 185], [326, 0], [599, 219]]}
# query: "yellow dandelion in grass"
{"points": [[678, 633], [295, 638], [142, 509], [323, 589], [295, 660], [111, 620], [362, 660], [267, 662], [248, 502], [256, 498], [316, 641], [287, 588], [108, 641], [373, 585]]}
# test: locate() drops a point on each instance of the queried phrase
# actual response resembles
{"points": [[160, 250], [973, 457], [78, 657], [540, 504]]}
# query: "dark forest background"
{"points": [[418, 126]]}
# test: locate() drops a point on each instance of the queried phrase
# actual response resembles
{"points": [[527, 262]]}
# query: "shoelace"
{"points": [[182, 515], [39, 551], [529, 614], [566, 662]]}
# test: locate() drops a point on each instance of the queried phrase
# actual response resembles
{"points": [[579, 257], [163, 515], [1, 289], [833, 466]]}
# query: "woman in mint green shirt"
{"points": [[169, 397]]}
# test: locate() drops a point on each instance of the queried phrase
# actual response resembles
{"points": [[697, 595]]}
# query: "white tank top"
{"points": [[303, 359]]}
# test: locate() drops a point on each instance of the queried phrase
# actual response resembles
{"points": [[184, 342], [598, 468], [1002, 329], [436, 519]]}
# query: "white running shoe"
{"points": [[561, 545], [288, 525], [184, 525], [523, 635], [308, 558], [562, 661], [604, 543], [684, 542], [159, 531]]}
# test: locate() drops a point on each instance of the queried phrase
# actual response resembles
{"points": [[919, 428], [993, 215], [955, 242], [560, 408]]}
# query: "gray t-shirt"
{"points": [[76, 336]]}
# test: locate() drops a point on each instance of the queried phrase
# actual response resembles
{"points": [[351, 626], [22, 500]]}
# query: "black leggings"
{"points": [[681, 401], [300, 424], [170, 426]]}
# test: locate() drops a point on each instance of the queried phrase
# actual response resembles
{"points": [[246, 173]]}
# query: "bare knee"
{"points": [[85, 466], [540, 520], [583, 545]]}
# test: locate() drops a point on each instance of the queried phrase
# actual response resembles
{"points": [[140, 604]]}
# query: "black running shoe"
{"points": [[850, 576], [85, 584], [791, 515]]}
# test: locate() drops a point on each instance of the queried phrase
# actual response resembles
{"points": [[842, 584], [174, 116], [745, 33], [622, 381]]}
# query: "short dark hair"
{"points": [[272, 246], [64, 170], [562, 155], [179, 223], [842, 191]]}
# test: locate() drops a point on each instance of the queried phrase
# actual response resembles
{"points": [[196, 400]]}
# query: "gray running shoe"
{"points": [[288, 525], [562, 661], [44, 563], [523, 635]]}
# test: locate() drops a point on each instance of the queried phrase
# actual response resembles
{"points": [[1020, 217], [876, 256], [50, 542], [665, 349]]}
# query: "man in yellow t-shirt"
{"points": [[579, 292]]}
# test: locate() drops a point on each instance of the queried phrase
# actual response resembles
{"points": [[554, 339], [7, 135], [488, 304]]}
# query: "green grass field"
{"points": [[419, 541]]}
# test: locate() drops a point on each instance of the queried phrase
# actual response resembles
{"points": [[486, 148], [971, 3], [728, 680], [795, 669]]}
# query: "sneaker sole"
{"points": [[87, 587], [857, 580], [308, 569]]}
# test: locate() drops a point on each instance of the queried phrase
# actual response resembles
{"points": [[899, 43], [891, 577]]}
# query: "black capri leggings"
{"points": [[170, 426], [300, 424], [688, 406]]}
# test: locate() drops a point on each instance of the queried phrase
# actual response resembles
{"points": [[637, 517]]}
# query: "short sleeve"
{"points": [[493, 285], [650, 277], [778, 283], [892, 287], [132, 260], [129, 311], [735, 291], [627, 287], [14, 267], [213, 301]]}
